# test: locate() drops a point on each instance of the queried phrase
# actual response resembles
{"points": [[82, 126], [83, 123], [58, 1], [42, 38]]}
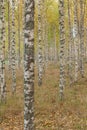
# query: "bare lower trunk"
{"points": [[40, 57], [62, 46], [2, 55], [29, 66], [13, 54], [19, 57], [76, 40]]}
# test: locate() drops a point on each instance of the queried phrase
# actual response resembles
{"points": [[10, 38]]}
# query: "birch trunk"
{"points": [[76, 39], [29, 65], [62, 46], [13, 53], [70, 42], [19, 58], [9, 38], [43, 33], [2, 56], [82, 11], [40, 57]]}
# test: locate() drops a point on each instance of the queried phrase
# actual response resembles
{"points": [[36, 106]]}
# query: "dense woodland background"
{"points": [[43, 64]]}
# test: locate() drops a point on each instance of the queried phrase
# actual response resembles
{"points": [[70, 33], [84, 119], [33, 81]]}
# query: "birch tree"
{"points": [[76, 39], [13, 53], [29, 65], [40, 57], [9, 37], [70, 42], [19, 34], [2, 51], [62, 46], [82, 12]]}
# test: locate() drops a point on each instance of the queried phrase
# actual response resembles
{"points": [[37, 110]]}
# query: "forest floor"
{"points": [[50, 112]]}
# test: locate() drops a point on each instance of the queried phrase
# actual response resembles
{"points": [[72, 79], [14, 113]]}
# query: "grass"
{"points": [[50, 112]]}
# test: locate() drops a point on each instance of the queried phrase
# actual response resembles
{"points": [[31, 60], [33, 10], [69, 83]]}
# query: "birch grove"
{"points": [[43, 59]]}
